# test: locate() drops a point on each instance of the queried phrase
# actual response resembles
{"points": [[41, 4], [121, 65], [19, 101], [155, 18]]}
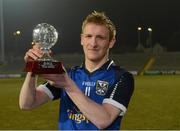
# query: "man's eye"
{"points": [[88, 36], [101, 37]]}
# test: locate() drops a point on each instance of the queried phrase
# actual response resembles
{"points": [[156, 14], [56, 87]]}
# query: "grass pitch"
{"points": [[154, 105]]}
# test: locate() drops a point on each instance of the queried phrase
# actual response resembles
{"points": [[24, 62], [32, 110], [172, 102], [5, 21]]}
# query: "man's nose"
{"points": [[93, 42]]}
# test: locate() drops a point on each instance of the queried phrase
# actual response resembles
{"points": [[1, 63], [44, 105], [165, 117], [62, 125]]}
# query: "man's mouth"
{"points": [[93, 49]]}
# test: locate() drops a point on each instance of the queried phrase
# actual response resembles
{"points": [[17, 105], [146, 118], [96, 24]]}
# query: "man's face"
{"points": [[95, 42]]}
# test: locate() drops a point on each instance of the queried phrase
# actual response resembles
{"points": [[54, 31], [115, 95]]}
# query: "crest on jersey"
{"points": [[101, 87]]}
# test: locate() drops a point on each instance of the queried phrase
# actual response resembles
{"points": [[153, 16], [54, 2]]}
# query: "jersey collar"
{"points": [[105, 66]]}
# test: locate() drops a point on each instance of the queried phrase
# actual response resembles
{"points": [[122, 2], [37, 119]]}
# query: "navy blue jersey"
{"points": [[109, 84]]}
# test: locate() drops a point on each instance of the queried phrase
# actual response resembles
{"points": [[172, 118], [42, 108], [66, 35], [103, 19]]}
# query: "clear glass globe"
{"points": [[45, 35]]}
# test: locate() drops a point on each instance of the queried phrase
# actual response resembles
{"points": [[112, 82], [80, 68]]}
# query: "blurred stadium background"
{"points": [[145, 47], [136, 62]]}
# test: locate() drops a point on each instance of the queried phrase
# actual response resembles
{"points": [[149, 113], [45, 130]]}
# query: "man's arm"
{"points": [[100, 115], [30, 96]]}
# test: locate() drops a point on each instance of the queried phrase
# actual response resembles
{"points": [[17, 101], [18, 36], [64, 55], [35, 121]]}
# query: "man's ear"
{"points": [[81, 39], [112, 42]]}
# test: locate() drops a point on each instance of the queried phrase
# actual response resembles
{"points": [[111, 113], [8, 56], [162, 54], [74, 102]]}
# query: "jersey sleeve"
{"points": [[51, 91], [120, 95]]}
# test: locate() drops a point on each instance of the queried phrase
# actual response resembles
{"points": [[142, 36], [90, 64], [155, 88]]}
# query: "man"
{"points": [[94, 95]]}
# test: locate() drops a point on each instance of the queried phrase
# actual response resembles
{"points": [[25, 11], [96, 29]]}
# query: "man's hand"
{"points": [[58, 80], [33, 54]]}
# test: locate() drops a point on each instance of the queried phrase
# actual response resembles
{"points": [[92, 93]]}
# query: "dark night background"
{"points": [[163, 16]]}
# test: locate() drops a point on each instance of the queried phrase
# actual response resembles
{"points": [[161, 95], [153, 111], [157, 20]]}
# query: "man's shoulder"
{"points": [[121, 70]]}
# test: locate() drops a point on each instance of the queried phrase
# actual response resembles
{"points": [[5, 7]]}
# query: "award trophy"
{"points": [[45, 36]]}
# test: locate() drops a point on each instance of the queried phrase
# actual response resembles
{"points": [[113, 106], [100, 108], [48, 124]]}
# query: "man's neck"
{"points": [[91, 66]]}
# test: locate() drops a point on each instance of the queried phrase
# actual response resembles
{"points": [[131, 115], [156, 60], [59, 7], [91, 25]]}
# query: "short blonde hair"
{"points": [[101, 19]]}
